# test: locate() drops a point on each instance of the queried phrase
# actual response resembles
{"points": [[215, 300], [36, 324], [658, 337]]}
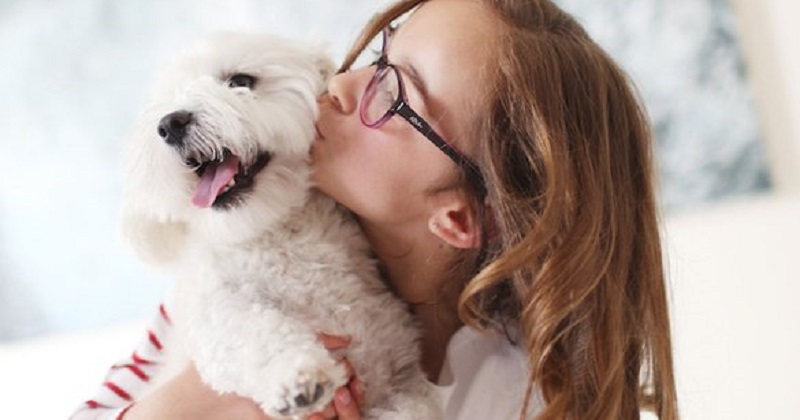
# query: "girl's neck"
{"points": [[417, 264]]}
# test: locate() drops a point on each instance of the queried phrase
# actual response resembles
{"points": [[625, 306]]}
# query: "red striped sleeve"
{"points": [[136, 370], [122, 413], [130, 377], [140, 360], [117, 390], [154, 340], [163, 311], [93, 404]]}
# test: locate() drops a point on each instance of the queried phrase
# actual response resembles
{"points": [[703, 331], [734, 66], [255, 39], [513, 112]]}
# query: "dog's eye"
{"points": [[241, 80]]}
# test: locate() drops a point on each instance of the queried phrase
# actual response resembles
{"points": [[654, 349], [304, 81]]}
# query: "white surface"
{"points": [[734, 271]]}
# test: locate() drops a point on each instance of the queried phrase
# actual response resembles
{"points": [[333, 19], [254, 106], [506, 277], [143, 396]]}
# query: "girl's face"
{"points": [[391, 173]]}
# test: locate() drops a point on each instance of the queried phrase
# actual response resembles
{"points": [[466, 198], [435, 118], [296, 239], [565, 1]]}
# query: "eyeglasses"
{"points": [[385, 96]]}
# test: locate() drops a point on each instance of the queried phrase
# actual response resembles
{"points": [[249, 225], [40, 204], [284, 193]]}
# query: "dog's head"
{"points": [[221, 151]]}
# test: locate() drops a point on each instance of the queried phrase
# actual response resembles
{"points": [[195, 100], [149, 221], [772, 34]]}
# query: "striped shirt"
{"points": [[128, 378]]}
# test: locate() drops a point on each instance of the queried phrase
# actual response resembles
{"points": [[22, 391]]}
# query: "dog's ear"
{"points": [[160, 243]]}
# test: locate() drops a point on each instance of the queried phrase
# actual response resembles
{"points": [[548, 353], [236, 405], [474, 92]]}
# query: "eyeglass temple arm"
{"points": [[423, 127], [427, 131]]}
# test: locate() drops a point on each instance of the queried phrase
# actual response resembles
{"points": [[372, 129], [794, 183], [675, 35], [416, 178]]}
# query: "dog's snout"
{"points": [[172, 128]]}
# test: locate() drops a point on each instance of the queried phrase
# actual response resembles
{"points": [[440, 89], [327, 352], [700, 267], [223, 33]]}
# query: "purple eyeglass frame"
{"points": [[402, 108]]}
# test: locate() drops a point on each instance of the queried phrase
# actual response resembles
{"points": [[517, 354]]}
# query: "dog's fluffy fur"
{"points": [[266, 266]]}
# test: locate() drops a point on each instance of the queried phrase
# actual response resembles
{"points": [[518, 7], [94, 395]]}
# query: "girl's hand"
{"points": [[345, 405]]}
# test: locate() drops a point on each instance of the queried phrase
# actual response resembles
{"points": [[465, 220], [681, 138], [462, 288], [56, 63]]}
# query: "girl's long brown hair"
{"points": [[574, 258]]}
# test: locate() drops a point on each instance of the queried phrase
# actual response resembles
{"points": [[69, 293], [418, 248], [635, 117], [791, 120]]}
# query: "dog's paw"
{"points": [[306, 387], [310, 392]]}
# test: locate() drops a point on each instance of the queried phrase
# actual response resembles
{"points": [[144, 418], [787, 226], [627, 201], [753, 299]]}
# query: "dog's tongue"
{"points": [[215, 178]]}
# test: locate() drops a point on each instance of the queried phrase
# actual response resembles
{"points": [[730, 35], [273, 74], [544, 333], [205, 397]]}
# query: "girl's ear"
{"points": [[456, 224], [159, 243]]}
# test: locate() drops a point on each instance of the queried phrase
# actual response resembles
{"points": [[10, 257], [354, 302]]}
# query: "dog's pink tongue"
{"points": [[215, 178]]}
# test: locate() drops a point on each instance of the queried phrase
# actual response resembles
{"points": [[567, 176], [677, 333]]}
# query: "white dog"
{"points": [[218, 189]]}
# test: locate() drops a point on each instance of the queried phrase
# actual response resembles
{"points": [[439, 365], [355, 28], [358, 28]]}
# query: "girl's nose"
{"points": [[344, 90]]}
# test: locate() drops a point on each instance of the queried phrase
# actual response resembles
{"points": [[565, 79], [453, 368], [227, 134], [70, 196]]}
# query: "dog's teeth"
{"points": [[230, 185]]}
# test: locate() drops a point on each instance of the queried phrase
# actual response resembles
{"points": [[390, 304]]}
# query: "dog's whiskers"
{"points": [[207, 147]]}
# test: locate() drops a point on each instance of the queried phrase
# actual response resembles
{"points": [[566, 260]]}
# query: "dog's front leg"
{"points": [[258, 352]]}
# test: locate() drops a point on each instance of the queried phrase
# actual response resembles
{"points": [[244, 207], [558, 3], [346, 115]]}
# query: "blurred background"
{"points": [[717, 76]]}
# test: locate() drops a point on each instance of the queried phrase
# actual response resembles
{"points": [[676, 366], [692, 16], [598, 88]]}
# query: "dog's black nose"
{"points": [[172, 128]]}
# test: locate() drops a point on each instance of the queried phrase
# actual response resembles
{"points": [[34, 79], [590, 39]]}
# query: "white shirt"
{"points": [[484, 377]]}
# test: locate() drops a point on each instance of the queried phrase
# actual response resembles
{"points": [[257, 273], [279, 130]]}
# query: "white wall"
{"points": [[769, 35], [75, 73], [734, 266]]}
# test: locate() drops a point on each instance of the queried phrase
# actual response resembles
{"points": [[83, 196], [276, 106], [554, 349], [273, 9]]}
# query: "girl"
{"points": [[500, 165]]}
